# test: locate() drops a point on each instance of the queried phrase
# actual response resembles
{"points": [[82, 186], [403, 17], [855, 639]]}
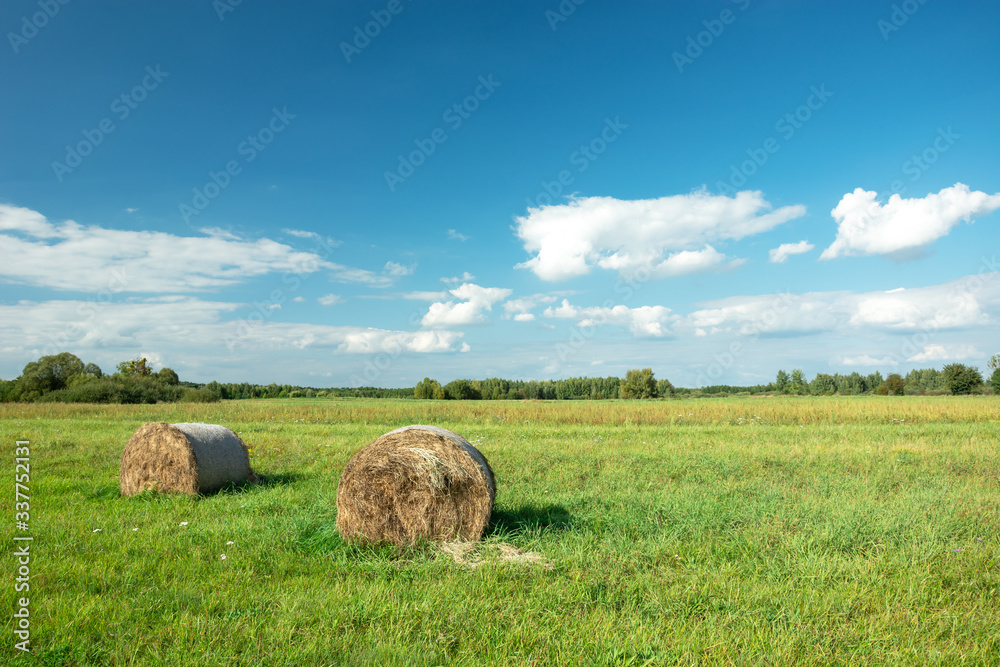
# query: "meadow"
{"points": [[758, 531]]}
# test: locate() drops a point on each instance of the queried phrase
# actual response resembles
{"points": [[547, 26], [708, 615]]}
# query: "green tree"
{"points": [[426, 388], [137, 367], [798, 381], [894, 385], [781, 382], [461, 390], [823, 384], [664, 388], [962, 379], [49, 373], [168, 376], [995, 381], [994, 363], [638, 383]]}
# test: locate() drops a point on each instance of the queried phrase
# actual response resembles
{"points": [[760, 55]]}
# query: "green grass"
{"points": [[808, 531]]}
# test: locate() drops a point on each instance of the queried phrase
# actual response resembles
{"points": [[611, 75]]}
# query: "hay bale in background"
{"points": [[183, 458], [417, 482]]}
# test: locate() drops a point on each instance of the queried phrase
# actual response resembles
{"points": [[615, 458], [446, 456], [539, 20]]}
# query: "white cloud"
{"points": [[780, 254], [374, 341], [131, 210], [519, 309], [667, 236], [958, 304], [331, 300], [425, 296], [390, 272], [70, 256], [642, 322], [394, 269], [185, 327], [299, 299], [471, 310], [457, 236], [219, 233], [868, 361], [464, 278], [941, 353], [867, 227]]}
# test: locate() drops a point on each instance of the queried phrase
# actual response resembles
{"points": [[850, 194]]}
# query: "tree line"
{"points": [[64, 377]]}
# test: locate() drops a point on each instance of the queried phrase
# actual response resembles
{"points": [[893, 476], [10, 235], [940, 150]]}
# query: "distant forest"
{"points": [[65, 378]]}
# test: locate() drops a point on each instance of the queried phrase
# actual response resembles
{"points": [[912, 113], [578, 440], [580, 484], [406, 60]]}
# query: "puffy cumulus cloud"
{"points": [[641, 322], [867, 227], [668, 236], [943, 353], [781, 254], [471, 309], [70, 256]]}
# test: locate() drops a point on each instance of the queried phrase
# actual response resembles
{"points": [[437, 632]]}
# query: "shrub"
{"points": [[638, 384], [962, 379]]}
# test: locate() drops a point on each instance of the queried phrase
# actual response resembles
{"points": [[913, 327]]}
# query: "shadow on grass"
{"points": [[529, 518], [231, 489], [266, 480]]}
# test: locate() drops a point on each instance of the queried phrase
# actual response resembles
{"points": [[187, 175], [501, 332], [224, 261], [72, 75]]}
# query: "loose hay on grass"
{"points": [[183, 458], [417, 482]]}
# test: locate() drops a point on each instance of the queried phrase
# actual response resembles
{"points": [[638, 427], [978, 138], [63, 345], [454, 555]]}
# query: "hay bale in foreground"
{"points": [[417, 482], [183, 458]]}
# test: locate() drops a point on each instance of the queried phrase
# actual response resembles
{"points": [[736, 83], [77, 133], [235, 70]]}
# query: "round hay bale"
{"points": [[183, 458], [417, 482]]}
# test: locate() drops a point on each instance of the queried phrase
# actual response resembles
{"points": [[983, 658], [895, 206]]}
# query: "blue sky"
{"points": [[263, 192]]}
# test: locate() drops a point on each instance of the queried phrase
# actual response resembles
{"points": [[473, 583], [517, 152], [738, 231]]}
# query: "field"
{"points": [[805, 531]]}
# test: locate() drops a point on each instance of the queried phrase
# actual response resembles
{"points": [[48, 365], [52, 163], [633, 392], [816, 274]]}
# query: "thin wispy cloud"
{"points": [[781, 254]]}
